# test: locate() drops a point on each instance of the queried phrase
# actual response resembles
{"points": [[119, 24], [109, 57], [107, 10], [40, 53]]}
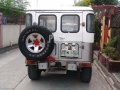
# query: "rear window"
{"points": [[90, 22], [70, 23], [48, 21], [28, 20]]}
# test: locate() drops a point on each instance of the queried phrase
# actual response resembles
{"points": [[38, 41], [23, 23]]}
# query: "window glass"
{"points": [[28, 20], [48, 21], [90, 23], [70, 23]]}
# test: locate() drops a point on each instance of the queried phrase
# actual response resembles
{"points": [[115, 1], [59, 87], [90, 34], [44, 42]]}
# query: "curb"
{"points": [[116, 77], [109, 77], [106, 77], [5, 49]]}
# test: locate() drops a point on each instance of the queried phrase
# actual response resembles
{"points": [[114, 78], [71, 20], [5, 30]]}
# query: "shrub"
{"points": [[97, 31], [111, 51], [113, 42]]}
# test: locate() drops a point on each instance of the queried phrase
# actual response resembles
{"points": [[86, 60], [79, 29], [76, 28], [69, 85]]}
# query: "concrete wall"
{"points": [[10, 34]]}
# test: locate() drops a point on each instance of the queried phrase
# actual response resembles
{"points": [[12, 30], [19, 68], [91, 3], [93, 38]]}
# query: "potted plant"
{"points": [[113, 60], [110, 56]]}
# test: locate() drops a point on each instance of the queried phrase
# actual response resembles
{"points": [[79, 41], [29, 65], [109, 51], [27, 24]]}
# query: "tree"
{"points": [[96, 2], [13, 7], [83, 3], [105, 2], [21, 4]]}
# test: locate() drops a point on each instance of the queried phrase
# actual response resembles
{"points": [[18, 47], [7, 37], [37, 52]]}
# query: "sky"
{"points": [[49, 3]]}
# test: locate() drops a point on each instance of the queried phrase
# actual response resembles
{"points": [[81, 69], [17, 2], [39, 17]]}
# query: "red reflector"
{"points": [[30, 62], [51, 58]]}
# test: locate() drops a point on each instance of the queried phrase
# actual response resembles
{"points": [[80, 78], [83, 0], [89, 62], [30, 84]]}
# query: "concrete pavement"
{"points": [[13, 76], [110, 77], [5, 49]]}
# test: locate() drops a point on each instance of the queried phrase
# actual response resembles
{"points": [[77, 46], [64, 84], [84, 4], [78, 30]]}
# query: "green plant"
{"points": [[111, 51], [13, 7], [97, 31], [83, 3], [96, 2], [113, 42], [108, 50], [115, 55], [104, 2]]}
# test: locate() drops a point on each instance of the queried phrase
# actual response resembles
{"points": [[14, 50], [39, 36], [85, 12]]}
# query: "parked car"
{"points": [[59, 39]]}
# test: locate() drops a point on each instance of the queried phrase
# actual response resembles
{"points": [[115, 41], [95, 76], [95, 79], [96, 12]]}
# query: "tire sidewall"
{"points": [[86, 75], [33, 73], [49, 42]]}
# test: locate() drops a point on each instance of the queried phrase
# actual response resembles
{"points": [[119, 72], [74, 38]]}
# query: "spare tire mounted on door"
{"points": [[36, 42]]}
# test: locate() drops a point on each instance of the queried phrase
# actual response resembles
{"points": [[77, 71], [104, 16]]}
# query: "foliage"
{"points": [[21, 4], [97, 31], [111, 51], [113, 42], [104, 2], [116, 32], [83, 3], [96, 2], [13, 7]]}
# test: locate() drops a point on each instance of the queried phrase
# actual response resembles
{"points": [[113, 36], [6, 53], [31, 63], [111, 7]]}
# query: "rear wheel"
{"points": [[86, 74], [33, 72]]}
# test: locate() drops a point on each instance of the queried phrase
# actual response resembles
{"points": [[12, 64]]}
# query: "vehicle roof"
{"points": [[73, 8]]}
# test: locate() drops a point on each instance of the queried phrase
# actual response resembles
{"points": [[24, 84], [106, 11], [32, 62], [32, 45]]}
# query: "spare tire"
{"points": [[36, 42]]}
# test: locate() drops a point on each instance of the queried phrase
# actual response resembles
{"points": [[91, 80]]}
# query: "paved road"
{"points": [[13, 76]]}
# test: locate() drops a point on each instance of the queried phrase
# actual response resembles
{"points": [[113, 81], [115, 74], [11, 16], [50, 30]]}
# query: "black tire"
{"points": [[69, 73], [34, 73], [86, 74], [49, 42]]}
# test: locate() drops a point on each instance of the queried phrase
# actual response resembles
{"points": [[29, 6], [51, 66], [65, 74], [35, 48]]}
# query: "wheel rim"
{"points": [[35, 42]]}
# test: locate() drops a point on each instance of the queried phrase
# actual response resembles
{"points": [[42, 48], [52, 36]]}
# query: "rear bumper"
{"points": [[79, 64], [73, 60], [62, 63], [72, 66]]}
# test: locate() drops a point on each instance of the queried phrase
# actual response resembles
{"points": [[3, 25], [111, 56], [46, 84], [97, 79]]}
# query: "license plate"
{"points": [[43, 65], [69, 53]]}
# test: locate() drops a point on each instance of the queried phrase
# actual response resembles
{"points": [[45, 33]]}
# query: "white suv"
{"points": [[58, 40]]}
